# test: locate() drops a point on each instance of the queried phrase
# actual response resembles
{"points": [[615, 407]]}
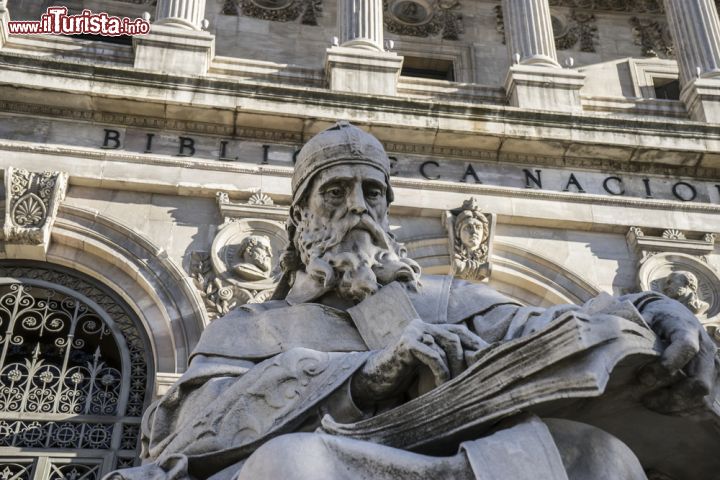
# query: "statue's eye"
{"points": [[335, 192], [373, 193]]}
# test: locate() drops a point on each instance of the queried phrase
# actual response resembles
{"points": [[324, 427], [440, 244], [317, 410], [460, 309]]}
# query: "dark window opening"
{"points": [[667, 88], [119, 39], [433, 68]]}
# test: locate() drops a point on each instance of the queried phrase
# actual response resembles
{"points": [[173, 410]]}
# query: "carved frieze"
{"points": [[639, 6], [653, 37], [242, 263], [470, 233], [576, 29], [307, 11], [422, 18], [32, 200]]}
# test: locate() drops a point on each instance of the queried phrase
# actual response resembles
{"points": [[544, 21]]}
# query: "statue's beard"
{"points": [[352, 256]]}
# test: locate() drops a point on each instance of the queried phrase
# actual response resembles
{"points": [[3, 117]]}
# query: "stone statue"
{"points": [[471, 248], [354, 331], [255, 255], [683, 287]]}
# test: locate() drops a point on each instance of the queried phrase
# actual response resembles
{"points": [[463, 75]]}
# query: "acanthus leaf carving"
{"points": [[31, 206], [653, 37]]}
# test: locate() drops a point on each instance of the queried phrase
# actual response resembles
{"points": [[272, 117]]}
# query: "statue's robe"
{"points": [[268, 369]]}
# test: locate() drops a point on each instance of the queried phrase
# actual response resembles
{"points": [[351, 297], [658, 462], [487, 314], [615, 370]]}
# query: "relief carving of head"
{"points": [[471, 232], [254, 258], [340, 240], [683, 287]]}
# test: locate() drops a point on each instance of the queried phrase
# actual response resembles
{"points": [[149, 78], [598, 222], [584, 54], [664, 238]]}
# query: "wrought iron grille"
{"points": [[73, 376]]}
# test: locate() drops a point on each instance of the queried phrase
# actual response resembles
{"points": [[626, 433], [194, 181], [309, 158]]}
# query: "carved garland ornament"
{"points": [[653, 37], [276, 10], [639, 6], [421, 18]]}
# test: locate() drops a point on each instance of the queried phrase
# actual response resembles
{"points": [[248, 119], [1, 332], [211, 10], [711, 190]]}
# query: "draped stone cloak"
{"points": [[273, 368]]}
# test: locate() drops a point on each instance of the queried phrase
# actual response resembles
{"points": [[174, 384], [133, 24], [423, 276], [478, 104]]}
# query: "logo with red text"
{"points": [[56, 21]]}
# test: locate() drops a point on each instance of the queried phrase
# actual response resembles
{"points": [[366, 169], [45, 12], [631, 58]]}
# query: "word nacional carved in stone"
{"points": [[432, 168]]}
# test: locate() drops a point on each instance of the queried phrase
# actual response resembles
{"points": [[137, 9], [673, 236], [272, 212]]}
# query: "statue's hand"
{"points": [[390, 371], [689, 350]]}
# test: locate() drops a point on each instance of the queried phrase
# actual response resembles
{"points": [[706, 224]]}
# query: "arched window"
{"points": [[74, 376]]}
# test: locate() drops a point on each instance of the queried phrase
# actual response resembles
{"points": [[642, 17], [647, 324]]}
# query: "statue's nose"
{"points": [[356, 200]]}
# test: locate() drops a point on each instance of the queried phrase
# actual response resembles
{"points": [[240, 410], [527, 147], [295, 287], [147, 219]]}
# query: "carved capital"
{"points": [[470, 233], [32, 200]]}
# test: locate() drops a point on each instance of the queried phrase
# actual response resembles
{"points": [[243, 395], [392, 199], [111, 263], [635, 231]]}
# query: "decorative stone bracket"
{"points": [[470, 233], [675, 263], [242, 265], [31, 205]]}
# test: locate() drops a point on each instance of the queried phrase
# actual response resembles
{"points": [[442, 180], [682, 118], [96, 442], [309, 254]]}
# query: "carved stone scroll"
{"points": [[470, 232], [32, 200]]}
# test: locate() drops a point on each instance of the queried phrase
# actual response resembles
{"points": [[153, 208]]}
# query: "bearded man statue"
{"points": [[263, 376]]}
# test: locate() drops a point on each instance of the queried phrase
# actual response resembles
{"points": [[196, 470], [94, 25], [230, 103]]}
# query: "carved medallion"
{"points": [[685, 278], [242, 265], [470, 232], [423, 18], [276, 10]]}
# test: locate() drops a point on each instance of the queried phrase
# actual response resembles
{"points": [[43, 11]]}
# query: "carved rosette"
{"points": [[242, 265], [276, 10], [31, 204], [470, 233], [423, 18]]}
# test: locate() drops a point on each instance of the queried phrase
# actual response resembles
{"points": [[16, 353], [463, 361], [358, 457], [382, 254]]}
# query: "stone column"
{"points": [[535, 79], [528, 27], [361, 24], [177, 42], [181, 13], [360, 63], [695, 30], [4, 19]]}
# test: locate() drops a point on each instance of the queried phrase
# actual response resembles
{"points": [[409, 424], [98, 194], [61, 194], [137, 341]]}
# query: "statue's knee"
{"points": [[586, 450], [294, 456]]}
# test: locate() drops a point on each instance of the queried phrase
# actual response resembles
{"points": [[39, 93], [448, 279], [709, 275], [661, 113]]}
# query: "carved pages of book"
{"points": [[572, 357]]}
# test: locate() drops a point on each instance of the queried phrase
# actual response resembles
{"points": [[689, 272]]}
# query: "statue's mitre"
{"points": [[340, 144]]}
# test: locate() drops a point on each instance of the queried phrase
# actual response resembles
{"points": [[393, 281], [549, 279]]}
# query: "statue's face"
{"points": [[471, 234], [678, 284], [259, 255], [348, 189]]}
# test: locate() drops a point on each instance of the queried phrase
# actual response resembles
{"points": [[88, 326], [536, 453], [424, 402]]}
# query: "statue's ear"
{"points": [[295, 214]]}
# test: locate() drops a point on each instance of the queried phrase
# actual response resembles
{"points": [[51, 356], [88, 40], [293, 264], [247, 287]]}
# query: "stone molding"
{"points": [[169, 49], [544, 88], [350, 69], [31, 206], [646, 242]]}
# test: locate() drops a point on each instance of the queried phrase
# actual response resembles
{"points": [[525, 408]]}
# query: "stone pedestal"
{"points": [[528, 27], [695, 28], [4, 19], [362, 71], [169, 49], [544, 88]]}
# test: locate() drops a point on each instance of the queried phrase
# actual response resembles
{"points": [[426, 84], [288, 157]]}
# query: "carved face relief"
{"points": [[472, 233], [255, 258], [683, 287]]}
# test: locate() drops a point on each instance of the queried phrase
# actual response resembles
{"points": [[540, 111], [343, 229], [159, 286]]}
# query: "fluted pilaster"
{"points": [[695, 29], [182, 13], [529, 33], [361, 24], [4, 19]]}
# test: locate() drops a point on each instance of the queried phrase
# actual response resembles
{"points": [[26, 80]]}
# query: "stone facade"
{"points": [[149, 178]]}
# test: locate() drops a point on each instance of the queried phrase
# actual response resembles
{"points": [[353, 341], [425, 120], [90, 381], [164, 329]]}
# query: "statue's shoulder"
{"points": [[452, 300]]}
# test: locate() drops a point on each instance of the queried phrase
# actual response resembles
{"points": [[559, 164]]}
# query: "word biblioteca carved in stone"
{"points": [[617, 185]]}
